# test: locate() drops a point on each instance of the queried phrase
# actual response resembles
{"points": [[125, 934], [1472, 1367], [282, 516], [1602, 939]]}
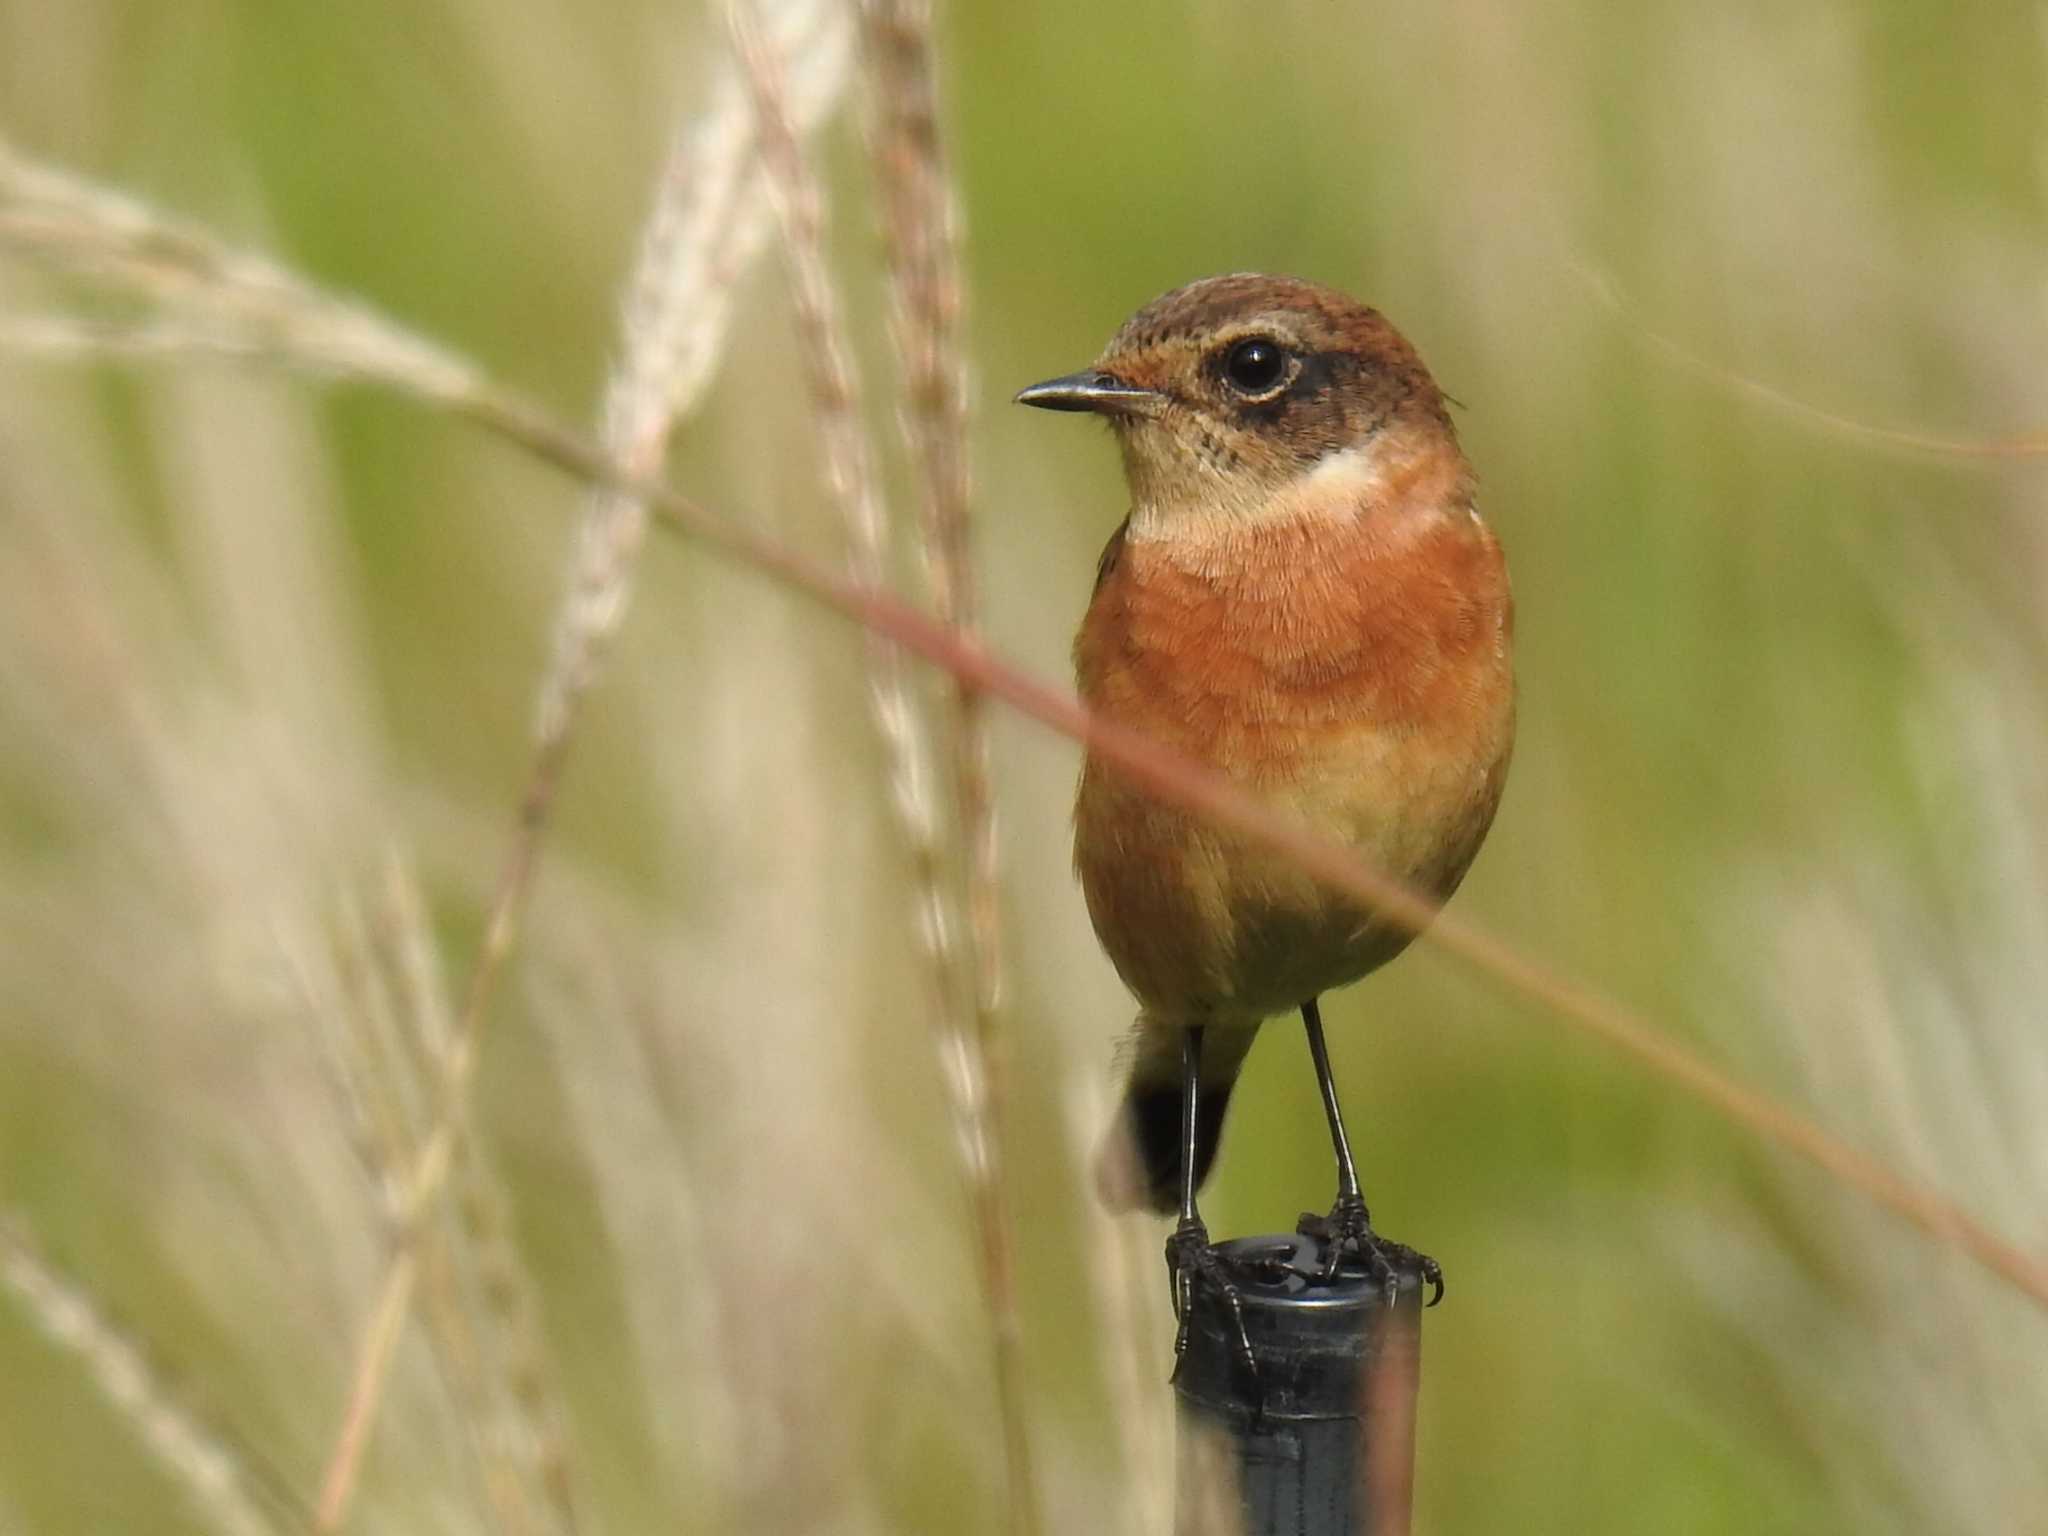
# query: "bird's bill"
{"points": [[1091, 390]]}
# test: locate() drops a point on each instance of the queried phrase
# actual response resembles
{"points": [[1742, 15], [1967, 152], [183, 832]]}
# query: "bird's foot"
{"points": [[1191, 1260], [1348, 1230]]}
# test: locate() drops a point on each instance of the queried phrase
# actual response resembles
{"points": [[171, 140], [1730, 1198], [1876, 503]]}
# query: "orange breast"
{"points": [[1353, 669], [1250, 658]]}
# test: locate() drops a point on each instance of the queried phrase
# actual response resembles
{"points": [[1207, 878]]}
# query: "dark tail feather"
{"points": [[1139, 1164]]}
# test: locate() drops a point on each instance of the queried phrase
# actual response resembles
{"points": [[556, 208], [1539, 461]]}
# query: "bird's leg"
{"points": [[1349, 1225], [1189, 1255]]}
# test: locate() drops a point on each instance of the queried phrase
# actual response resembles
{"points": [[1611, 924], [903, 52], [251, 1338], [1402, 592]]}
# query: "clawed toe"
{"points": [[1347, 1231], [1191, 1259]]}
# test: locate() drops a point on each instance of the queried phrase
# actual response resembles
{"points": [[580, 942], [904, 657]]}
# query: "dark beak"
{"points": [[1090, 391]]}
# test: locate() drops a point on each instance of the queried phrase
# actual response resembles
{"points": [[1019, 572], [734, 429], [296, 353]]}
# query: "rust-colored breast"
{"points": [[1249, 659], [1354, 669]]}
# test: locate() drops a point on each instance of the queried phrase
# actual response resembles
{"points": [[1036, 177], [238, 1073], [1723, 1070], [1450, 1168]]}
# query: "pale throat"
{"points": [[1193, 507]]}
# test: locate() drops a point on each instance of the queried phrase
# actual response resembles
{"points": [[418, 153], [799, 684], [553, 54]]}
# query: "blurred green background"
{"points": [[1780, 783]]}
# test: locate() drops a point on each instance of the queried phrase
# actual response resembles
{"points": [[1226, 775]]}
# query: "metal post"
{"points": [[1322, 1443]]}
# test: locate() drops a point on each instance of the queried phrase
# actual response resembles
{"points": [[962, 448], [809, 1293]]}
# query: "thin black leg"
{"points": [[1348, 1227], [1189, 1255], [1190, 1087], [1188, 1248], [1347, 1170]]}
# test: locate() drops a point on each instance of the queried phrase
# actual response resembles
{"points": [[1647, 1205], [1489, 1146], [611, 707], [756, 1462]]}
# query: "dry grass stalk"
{"points": [[481, 1314], [1194, 788], [920, 242], [962, 1032], [216, 1476], [918, 233], [914, 191], [350, 1010], [1185, 784], [477, 1300], [707, 225], [1911, 996], [536, 1420], [705, 228], [1122, 1281], [1211, 1503], [1603, 287], [651, 1200], [371, 1079], [199, 292], [850, 481]]}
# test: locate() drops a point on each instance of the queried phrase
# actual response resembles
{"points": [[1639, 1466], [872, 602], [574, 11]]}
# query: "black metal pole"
{"points": [[1321, 1442]]}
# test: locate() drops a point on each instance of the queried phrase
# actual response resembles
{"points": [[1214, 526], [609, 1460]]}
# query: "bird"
{"points": [[1305, 599]]}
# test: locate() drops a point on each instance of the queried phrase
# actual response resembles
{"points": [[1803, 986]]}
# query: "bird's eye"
{"points": [[1255, 365]]}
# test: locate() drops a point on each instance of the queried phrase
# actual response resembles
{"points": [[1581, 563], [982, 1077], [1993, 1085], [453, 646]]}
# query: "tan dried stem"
{"points": [[476, 1296], [1121, 1281], [203, 293], [850, 482], [962, 1033], [707, 225], [534, 1413], [705, 228], [2028, 445], [1193, 787], [921, 250], [375, 1077], [206, 296], [217, 1477]]}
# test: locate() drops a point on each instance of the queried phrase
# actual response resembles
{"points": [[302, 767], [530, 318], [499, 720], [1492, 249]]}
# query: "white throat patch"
{"points": [[1337, 482]]}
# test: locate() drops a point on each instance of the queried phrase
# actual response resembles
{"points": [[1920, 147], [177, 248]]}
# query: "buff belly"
{"points": [[1204, 924]]}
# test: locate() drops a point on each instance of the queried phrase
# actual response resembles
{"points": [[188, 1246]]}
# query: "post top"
{"points": [[1312, 1339]]}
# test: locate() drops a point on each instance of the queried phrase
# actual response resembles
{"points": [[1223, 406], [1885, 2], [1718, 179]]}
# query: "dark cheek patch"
{"points": [[1320, 373], [1312, 389], [1308, 416]]}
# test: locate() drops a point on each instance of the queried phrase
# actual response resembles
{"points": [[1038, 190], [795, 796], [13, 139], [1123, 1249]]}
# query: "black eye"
{"points": [[1255, 365]]}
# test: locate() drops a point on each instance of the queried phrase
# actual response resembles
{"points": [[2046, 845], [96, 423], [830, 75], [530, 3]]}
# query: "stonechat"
{"points": [[1305, 598]]}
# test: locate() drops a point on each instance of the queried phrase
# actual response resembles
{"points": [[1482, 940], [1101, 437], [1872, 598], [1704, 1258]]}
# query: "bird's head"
{"points": [[1229, 395]]}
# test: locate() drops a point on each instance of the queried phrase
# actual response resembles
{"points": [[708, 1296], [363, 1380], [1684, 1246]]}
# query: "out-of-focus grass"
{"points": [[255, 633]]}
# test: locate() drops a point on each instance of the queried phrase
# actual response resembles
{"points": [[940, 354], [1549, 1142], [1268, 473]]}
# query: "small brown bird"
{"points": [[1305, 598]]}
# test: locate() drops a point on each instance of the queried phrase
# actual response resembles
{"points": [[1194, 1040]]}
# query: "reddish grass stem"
{"points": [[921, 250], [1193, 787]]}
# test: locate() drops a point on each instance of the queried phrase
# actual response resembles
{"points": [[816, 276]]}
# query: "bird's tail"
{"points": [[1139, 1163]]}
